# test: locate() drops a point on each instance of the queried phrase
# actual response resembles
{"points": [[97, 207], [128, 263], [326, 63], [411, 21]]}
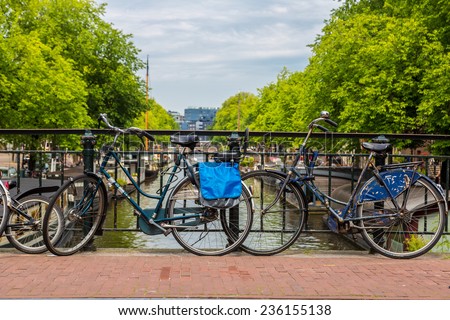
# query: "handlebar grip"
{"points": [[322, 128], [148, 136], [140, 133], [100, 119], [331, 122], [103, 117]]}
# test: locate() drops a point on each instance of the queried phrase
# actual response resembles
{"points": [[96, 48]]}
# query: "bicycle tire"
{"points": [[416, 229], [4, 209], [216, 232], [83, 201], [23, 235], [277, 229]]}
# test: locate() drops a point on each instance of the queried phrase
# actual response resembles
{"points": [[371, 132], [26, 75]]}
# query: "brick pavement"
{"points": [[138, 274]]}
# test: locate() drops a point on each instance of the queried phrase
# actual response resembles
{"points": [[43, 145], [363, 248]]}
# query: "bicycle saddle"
{"points": [[189, 141], [376, 147]]}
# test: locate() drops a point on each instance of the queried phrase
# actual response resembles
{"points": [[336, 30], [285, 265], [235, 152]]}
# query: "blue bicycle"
{"points": [[198, 227], [399, 212]]}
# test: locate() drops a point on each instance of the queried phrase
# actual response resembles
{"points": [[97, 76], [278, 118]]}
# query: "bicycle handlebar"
{"points": [[331, 122], [132, 130], [140, 133], [324, 117], [321, 127]]}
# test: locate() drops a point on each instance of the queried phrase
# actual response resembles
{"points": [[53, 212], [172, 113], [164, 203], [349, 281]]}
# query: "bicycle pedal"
{"points": [[167, 232]]}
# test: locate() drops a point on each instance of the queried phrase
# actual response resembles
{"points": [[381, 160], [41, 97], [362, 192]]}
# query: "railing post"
{"points": [[88, 141]]}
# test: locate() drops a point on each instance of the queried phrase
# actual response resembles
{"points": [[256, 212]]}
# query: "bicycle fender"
{"points": [[50, 189], [396, 181], [440, 189]]}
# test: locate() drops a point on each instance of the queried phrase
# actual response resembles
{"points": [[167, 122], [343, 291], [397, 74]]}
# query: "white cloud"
{"points": [[218, 45]]}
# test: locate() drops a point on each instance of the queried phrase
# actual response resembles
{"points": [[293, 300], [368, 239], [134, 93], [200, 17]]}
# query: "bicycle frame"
{"points": [[153, 216], [13, 205], [347, 214], [6, 192], [30, 221]]}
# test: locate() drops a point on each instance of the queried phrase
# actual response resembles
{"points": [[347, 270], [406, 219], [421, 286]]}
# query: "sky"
{"points": [[205, 51]]}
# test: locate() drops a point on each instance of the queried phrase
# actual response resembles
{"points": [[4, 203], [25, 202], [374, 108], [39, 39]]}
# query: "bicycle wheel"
{"points": [[279, 227], [24, 228], [83, 201], [4, 210], [413, 230], [207, 231]]}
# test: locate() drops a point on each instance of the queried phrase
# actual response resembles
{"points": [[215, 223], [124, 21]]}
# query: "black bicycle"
{"points": [[399, 212], [21, 217]]}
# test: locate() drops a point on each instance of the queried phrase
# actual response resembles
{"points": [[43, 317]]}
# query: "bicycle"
{"points": [[199, 229], [399, 212], [22, 218], [5, 201]]}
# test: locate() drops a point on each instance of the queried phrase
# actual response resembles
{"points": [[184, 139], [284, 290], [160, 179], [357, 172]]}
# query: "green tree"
{"points": [[434, 14], [379, 66], [278, 103], [70, 36], [370, 71], [39, 87], [155, 118], [235, 113]]}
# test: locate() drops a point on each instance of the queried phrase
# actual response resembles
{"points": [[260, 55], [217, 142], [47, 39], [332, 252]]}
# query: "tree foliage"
{"points": [[39, 88], [381, 65], [279, 102], [155, 118], [375, 79], [378, 66], [61, 65], [235, 112]]}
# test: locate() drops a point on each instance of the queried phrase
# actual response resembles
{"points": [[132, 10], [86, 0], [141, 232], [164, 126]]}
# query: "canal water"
{"points": [[308, 241]]}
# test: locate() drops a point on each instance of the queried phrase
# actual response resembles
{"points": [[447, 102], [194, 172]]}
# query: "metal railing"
{"points": [[267, 148]]}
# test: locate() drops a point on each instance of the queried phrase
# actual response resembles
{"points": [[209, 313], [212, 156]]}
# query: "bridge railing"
{"points": [[274, 149]]}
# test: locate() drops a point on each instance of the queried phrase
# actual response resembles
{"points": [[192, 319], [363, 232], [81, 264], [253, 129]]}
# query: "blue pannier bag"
{"points": [[220, 184]]}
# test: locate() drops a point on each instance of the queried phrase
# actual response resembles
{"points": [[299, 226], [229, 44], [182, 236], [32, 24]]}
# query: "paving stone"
{"points": [[143, 274]]}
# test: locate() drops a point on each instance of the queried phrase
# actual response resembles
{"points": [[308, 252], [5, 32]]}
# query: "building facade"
{"points": [[195, 118]]}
